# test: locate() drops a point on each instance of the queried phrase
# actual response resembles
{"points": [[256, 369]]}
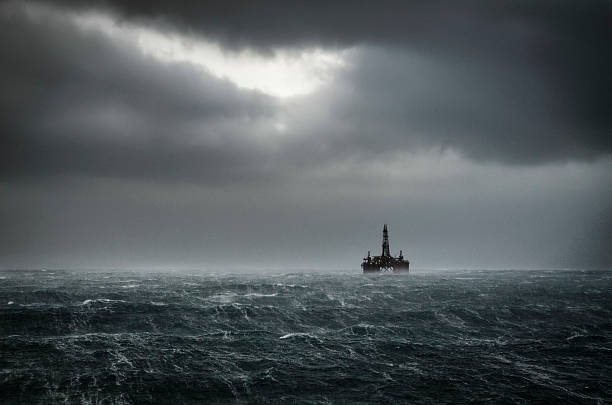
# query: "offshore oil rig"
{"points": [[385, 262]]}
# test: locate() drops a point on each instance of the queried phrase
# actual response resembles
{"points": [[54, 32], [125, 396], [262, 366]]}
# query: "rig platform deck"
{"points": [[385, 262]]}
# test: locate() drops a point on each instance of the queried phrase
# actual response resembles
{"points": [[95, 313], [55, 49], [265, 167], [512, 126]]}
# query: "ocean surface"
{"points": [[440, 337]]}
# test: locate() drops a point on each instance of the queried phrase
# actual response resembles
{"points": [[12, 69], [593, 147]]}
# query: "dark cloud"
{"points": [[390, 101], [504, 52], [279, 23], [74, 102]]}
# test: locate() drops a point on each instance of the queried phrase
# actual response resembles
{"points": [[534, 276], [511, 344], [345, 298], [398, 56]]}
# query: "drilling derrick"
{"points": [[385, 244], [385, 262]]}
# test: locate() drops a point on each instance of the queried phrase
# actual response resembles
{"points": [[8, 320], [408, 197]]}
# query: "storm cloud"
{"points": [[496, 51], [442, 119], [75, 102]]}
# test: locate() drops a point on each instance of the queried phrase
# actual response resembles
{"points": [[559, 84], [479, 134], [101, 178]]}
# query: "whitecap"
{"points": [[297, 334], [10, 303], [36, 304], [290, 285], [227, 297], [102, 300]]}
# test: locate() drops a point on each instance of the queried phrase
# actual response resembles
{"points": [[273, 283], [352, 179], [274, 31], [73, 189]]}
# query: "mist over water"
{"points": [[454, 337]]}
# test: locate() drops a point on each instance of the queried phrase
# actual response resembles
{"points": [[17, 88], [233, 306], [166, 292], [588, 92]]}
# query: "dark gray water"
{"points": [[455, 337]]}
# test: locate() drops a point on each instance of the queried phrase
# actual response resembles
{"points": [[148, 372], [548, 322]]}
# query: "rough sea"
{"points": [[441, 337]]}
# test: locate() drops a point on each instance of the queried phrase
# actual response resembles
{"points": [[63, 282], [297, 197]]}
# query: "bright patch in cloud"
{"points": [[283, 74]]}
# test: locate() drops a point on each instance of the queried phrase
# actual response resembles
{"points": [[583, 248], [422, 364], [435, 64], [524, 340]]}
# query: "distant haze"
{"points": [[283, 135]]}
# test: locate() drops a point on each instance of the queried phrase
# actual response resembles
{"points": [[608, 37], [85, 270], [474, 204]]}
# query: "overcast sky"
{"points": [[243, 135]]}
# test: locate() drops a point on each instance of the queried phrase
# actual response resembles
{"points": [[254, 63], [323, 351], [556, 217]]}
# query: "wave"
{"points": [[260, 295], [298, 335], [100, 300]]}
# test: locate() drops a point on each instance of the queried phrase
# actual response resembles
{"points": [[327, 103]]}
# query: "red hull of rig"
{"points": [[385, 262]]}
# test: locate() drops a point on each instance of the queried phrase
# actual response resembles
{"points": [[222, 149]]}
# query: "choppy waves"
{"points": [[455, 337]]}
